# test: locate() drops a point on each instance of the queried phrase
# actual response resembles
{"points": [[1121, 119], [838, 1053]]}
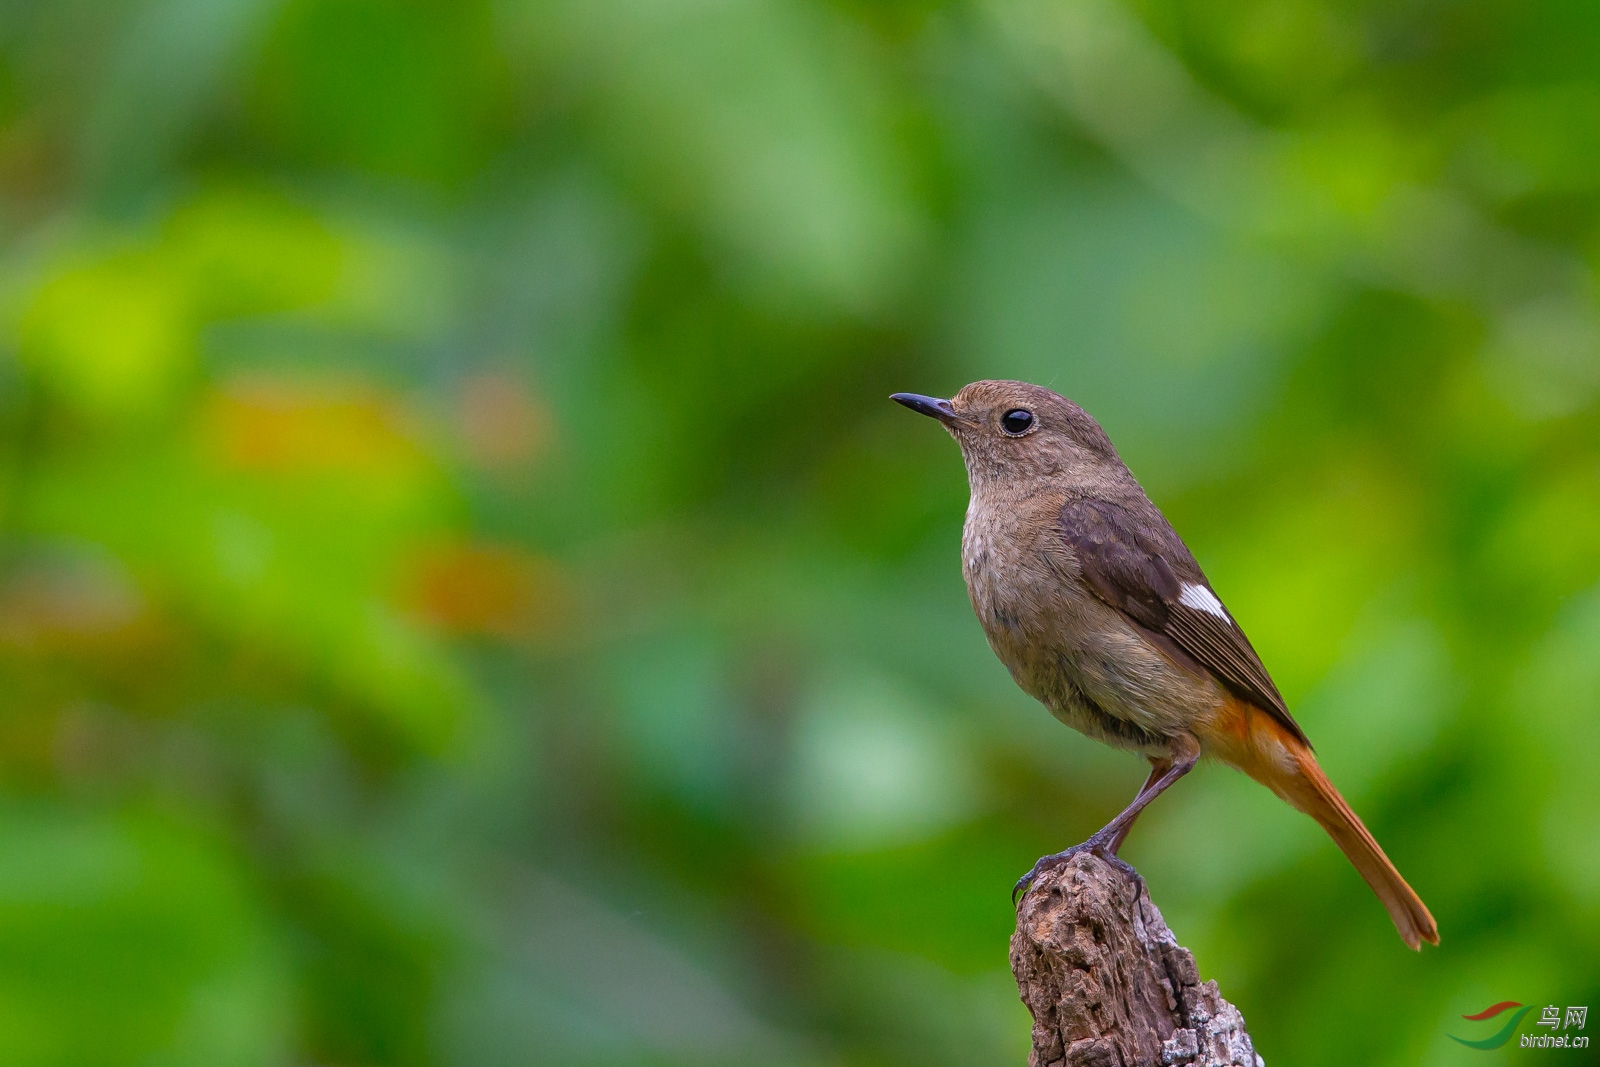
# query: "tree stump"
{"points": [[1107, 983]]}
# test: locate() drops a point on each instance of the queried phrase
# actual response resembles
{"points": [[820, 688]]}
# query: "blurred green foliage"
{"points": [[466, 600]]}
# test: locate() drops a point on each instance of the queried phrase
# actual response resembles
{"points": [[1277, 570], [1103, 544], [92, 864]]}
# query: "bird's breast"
{"points": [[1014, 592], [1063, 645]]}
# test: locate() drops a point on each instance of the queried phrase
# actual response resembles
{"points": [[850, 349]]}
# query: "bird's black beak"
{"points": [[927, 405]]}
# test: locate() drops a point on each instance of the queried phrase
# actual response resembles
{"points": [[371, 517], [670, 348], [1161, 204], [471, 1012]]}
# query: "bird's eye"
{"points": [[1016, 421]]}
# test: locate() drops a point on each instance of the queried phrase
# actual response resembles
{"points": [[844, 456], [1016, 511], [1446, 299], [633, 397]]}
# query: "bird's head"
{"points": [[1015, 430]]}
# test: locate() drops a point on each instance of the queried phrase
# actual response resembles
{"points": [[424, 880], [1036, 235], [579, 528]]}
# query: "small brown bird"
{"points": [[1100, 612]]}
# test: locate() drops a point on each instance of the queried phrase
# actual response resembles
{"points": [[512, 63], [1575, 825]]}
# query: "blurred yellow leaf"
{"points": [[111, 338]]}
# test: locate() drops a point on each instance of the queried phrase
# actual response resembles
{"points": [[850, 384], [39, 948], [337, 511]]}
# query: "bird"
{"points": [[1101, 613]]}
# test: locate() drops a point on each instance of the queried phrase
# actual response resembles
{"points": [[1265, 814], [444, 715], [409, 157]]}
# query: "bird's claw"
{"points": [[1099, 848]]}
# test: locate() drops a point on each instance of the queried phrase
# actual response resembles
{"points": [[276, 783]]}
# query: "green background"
{"points": [[466, 599]]}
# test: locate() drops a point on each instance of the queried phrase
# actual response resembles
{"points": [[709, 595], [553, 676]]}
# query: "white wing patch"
{"points": [[1200, 598]]}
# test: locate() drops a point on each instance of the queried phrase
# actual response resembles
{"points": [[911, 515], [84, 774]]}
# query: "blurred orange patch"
{"points": [[486, 590], [50, 604], [274, 425], [502, 424]]}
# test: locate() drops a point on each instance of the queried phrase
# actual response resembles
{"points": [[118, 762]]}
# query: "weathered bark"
{"points": [[1107, 983]]}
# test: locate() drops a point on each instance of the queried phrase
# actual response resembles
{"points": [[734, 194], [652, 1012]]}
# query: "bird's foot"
{"points": [[1095, 845]]}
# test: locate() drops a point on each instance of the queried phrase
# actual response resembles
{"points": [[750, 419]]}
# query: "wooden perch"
{"points": [[1107, 983]]}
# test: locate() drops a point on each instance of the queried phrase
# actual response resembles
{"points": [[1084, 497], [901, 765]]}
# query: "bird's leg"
{"points": [[1159, 765], [1187, 753], [1105, 841]]}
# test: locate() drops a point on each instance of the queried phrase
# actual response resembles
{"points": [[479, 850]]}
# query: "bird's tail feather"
{"points": [[1309, 791], [1285, 765]]}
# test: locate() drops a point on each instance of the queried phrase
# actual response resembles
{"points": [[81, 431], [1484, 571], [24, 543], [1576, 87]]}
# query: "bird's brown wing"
{"points": [[1135, 561]]}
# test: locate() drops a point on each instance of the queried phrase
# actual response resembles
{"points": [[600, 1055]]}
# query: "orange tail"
{"points": [[1278, 760]]}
